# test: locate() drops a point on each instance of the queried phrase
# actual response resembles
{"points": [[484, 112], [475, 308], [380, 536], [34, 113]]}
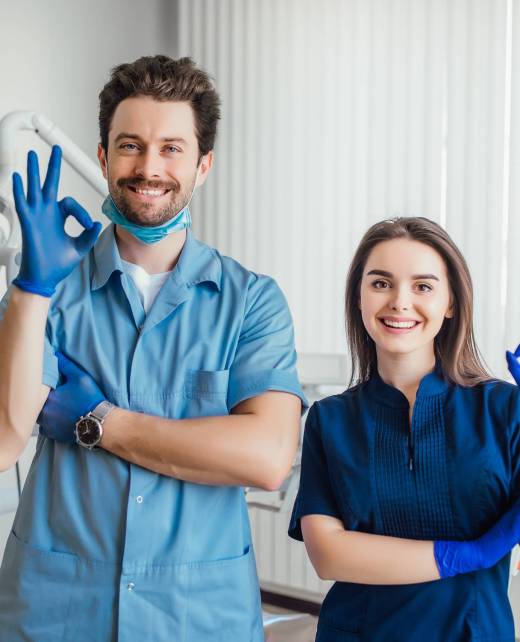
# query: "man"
{"points": [[181, 364]]}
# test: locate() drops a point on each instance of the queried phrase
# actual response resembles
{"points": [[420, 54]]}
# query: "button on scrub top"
{"points": [[450, 475], [102, 549]]}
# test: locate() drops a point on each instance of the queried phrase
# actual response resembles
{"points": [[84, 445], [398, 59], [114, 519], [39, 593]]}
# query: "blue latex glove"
{"points": [[453, 558], [77, 396], [49, 254], [512, 364]]}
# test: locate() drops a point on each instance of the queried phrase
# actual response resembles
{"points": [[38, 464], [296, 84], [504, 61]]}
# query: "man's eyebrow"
{"points": [[415, 277], [126, 135], [174, 139], [165, 139]]}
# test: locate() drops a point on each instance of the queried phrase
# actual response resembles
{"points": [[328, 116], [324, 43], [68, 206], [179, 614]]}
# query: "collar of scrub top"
{"points": [[431, 385], [198, 263]]}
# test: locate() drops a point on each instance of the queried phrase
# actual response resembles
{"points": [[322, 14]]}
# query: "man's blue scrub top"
{"points": [[448, 476], [102, 549]]}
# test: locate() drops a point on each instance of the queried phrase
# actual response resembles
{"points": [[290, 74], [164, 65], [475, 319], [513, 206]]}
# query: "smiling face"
{"points": [[404, 297], [152, 162]]}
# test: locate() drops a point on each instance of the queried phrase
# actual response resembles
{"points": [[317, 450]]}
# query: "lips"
{"points": [[398, 325], [393, 323]]}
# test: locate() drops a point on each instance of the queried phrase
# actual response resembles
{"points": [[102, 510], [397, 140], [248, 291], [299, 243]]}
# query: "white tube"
{"points": [[17, 121], [10, 125], [75, 157]]}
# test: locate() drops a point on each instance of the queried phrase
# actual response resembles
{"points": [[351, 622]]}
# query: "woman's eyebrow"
{"points": [[415, 277], [380, 273]]}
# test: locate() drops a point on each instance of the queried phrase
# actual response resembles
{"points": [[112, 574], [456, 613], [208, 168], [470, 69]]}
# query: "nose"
{"points": [[148, 165], [400, 300]]}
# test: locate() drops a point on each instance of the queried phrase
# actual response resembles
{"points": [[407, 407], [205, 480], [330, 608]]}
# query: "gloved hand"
{"points": [[453, 558], [68, 402], [49, 254], [512, 364]]}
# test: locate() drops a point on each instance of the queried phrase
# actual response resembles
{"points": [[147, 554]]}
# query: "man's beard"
{"points": [[146, 214]]}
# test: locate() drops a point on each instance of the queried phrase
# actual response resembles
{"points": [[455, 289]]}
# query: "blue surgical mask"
{"points": [[147, 234]]}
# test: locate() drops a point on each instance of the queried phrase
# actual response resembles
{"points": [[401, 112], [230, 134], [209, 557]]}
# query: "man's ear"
{"points": [[102, 158], [205, 165]]}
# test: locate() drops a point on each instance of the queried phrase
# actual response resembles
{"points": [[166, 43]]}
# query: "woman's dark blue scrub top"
{"points": [[450, 475]]}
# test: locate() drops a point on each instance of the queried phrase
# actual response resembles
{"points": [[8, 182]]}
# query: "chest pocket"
{"points": [[205, 393]]}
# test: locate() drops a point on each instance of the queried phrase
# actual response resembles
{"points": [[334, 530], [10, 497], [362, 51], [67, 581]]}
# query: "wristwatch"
{"points": [[89, 428]]}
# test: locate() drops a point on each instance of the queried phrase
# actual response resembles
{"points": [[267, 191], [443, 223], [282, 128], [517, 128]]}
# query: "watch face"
{"points": [[89, 431]]}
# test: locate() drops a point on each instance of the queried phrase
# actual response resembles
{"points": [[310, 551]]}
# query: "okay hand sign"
{"points": [[49, 254]]}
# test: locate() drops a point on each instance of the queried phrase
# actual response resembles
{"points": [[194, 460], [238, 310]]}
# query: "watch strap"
{"points": [[101, 410]]}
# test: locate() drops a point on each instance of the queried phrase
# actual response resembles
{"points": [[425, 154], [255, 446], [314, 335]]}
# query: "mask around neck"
{"points": [[148, 235]]}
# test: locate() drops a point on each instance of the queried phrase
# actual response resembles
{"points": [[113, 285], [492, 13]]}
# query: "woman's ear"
{"points": [[449, 312]]}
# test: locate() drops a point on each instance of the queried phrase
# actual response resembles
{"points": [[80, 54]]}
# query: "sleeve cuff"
{"points": [[295, 529], [242, 387], [50, 379]]}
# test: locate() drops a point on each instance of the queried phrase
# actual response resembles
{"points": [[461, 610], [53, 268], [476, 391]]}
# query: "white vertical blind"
{"points": [[339, 113], [513, 186]]}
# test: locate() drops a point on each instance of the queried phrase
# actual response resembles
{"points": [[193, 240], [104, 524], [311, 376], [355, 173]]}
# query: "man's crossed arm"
{"points": [[254, 446]]}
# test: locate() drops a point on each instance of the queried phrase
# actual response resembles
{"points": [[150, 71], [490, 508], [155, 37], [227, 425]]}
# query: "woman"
{"points": [[405, 474]]}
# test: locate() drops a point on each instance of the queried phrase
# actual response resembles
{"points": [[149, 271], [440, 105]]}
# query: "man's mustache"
{"points": [[142, 183]]}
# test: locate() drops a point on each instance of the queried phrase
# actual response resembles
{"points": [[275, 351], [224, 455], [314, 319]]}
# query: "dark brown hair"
{"points": [[163, 79], [455, 347]]}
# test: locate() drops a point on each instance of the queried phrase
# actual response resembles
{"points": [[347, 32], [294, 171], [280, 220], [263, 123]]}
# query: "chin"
{"points": [[145, 219], [399, 345]]}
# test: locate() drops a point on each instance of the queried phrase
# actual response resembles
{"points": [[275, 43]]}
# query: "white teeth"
{"points": [[399, 324], [150, 192]]}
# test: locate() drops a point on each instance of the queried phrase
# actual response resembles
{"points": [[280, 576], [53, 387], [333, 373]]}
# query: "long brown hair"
{"points": [[454, 345]]}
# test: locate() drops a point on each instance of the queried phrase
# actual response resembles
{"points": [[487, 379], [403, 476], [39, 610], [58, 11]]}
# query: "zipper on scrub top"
{"points": [[410, 444], [410, 452]]}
